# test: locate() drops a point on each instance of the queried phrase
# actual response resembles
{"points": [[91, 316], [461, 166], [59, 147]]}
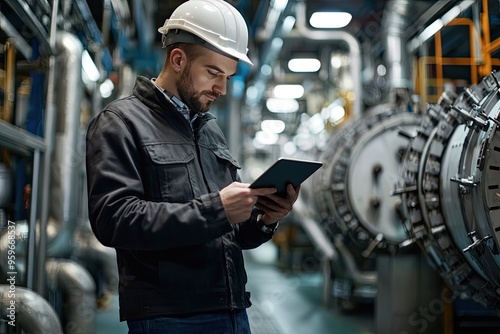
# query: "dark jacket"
{"points": [[153, 187]]}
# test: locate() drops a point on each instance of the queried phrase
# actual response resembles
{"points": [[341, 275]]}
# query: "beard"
{"points": [[189, 95]]}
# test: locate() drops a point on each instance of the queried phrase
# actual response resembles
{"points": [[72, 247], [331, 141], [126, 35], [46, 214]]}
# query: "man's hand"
{"points": [[276, 207], [239, 200]]}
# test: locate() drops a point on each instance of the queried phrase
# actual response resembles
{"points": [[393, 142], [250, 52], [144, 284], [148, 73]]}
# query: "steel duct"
{"points": [[33, 314]]}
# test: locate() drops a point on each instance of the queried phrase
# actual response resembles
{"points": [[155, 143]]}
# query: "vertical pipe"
{"points": [[30, 261], [49, 135], [67, 158]]}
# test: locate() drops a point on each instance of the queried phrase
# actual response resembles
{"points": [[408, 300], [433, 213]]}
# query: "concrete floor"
{"points": [[291, 302], [283, 302]]}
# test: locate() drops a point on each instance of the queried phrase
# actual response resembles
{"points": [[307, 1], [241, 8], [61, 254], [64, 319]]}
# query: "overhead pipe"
{"points": [[33, 314], [78, 293], [271, 48], [304, 32]]}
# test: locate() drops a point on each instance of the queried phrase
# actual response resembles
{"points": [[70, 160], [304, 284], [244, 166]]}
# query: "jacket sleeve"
{"points": [[119, 213], [249, 235]]}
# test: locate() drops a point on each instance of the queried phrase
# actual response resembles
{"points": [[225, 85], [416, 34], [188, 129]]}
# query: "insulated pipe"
{"points": [[33, 314], [67, 159], [78, 291], [395, 21], [303, 31]]}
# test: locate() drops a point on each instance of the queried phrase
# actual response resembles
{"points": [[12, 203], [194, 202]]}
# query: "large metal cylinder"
{"points": [[450, 189]]}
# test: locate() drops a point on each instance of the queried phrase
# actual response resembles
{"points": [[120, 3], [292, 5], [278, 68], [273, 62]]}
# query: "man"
{"points": [[164, 190]]}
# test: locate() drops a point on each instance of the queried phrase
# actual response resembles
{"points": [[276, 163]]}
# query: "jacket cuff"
{"points": [[213, 208]]}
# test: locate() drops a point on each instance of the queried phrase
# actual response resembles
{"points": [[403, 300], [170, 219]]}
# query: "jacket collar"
{"points": [[147, 93]]}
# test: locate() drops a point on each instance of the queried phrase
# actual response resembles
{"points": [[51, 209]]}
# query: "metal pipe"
{"points": [[49, 144], [33, 314], [92, 254], [67, 159], [78, 290], [351, 269], [395, 21], [303, 31]]}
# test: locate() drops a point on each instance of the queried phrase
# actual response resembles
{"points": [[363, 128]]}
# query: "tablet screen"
{"points": [[285, 171]]}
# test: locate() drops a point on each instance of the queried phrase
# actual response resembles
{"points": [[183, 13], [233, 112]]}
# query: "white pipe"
{"points": [[303, 31]]}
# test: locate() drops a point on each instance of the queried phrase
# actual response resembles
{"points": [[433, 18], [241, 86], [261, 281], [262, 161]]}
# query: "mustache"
{"points": [[212, 94]]}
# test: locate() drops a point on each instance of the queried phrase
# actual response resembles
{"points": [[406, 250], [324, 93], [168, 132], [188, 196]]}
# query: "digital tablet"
{"points": [[285, 171]]}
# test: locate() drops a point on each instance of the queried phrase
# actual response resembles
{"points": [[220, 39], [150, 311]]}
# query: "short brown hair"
{"points": [[192, 51]]}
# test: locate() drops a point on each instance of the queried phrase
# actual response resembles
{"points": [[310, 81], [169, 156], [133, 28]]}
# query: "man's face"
{"points": [[204, 79]]}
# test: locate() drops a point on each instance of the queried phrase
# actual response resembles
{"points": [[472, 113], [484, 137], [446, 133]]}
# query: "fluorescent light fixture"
{"points": [[282, 105], [316, 124], [265, 138], [288, 91], [289, 148], [288, 24], [437, 25], [106, 88], [89, 68], [304, 65], [273, 126], [330, 19], [336, 61], [334, 112]]}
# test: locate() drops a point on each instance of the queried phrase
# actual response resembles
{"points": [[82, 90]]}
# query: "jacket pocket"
{"points": [[172, 171], [222, 166]]}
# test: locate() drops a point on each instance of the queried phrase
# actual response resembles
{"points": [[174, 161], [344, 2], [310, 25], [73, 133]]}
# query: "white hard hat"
{"points": [[216, 22]]}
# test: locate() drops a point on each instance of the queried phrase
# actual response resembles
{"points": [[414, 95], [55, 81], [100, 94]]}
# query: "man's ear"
{"points": [[177, 59]]}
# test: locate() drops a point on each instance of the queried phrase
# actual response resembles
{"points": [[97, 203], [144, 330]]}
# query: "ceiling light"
{"points": [[330, 19], [265, 138], [282, 105], [304, 65], [106, 88], [288, 91], [273, 126]]}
